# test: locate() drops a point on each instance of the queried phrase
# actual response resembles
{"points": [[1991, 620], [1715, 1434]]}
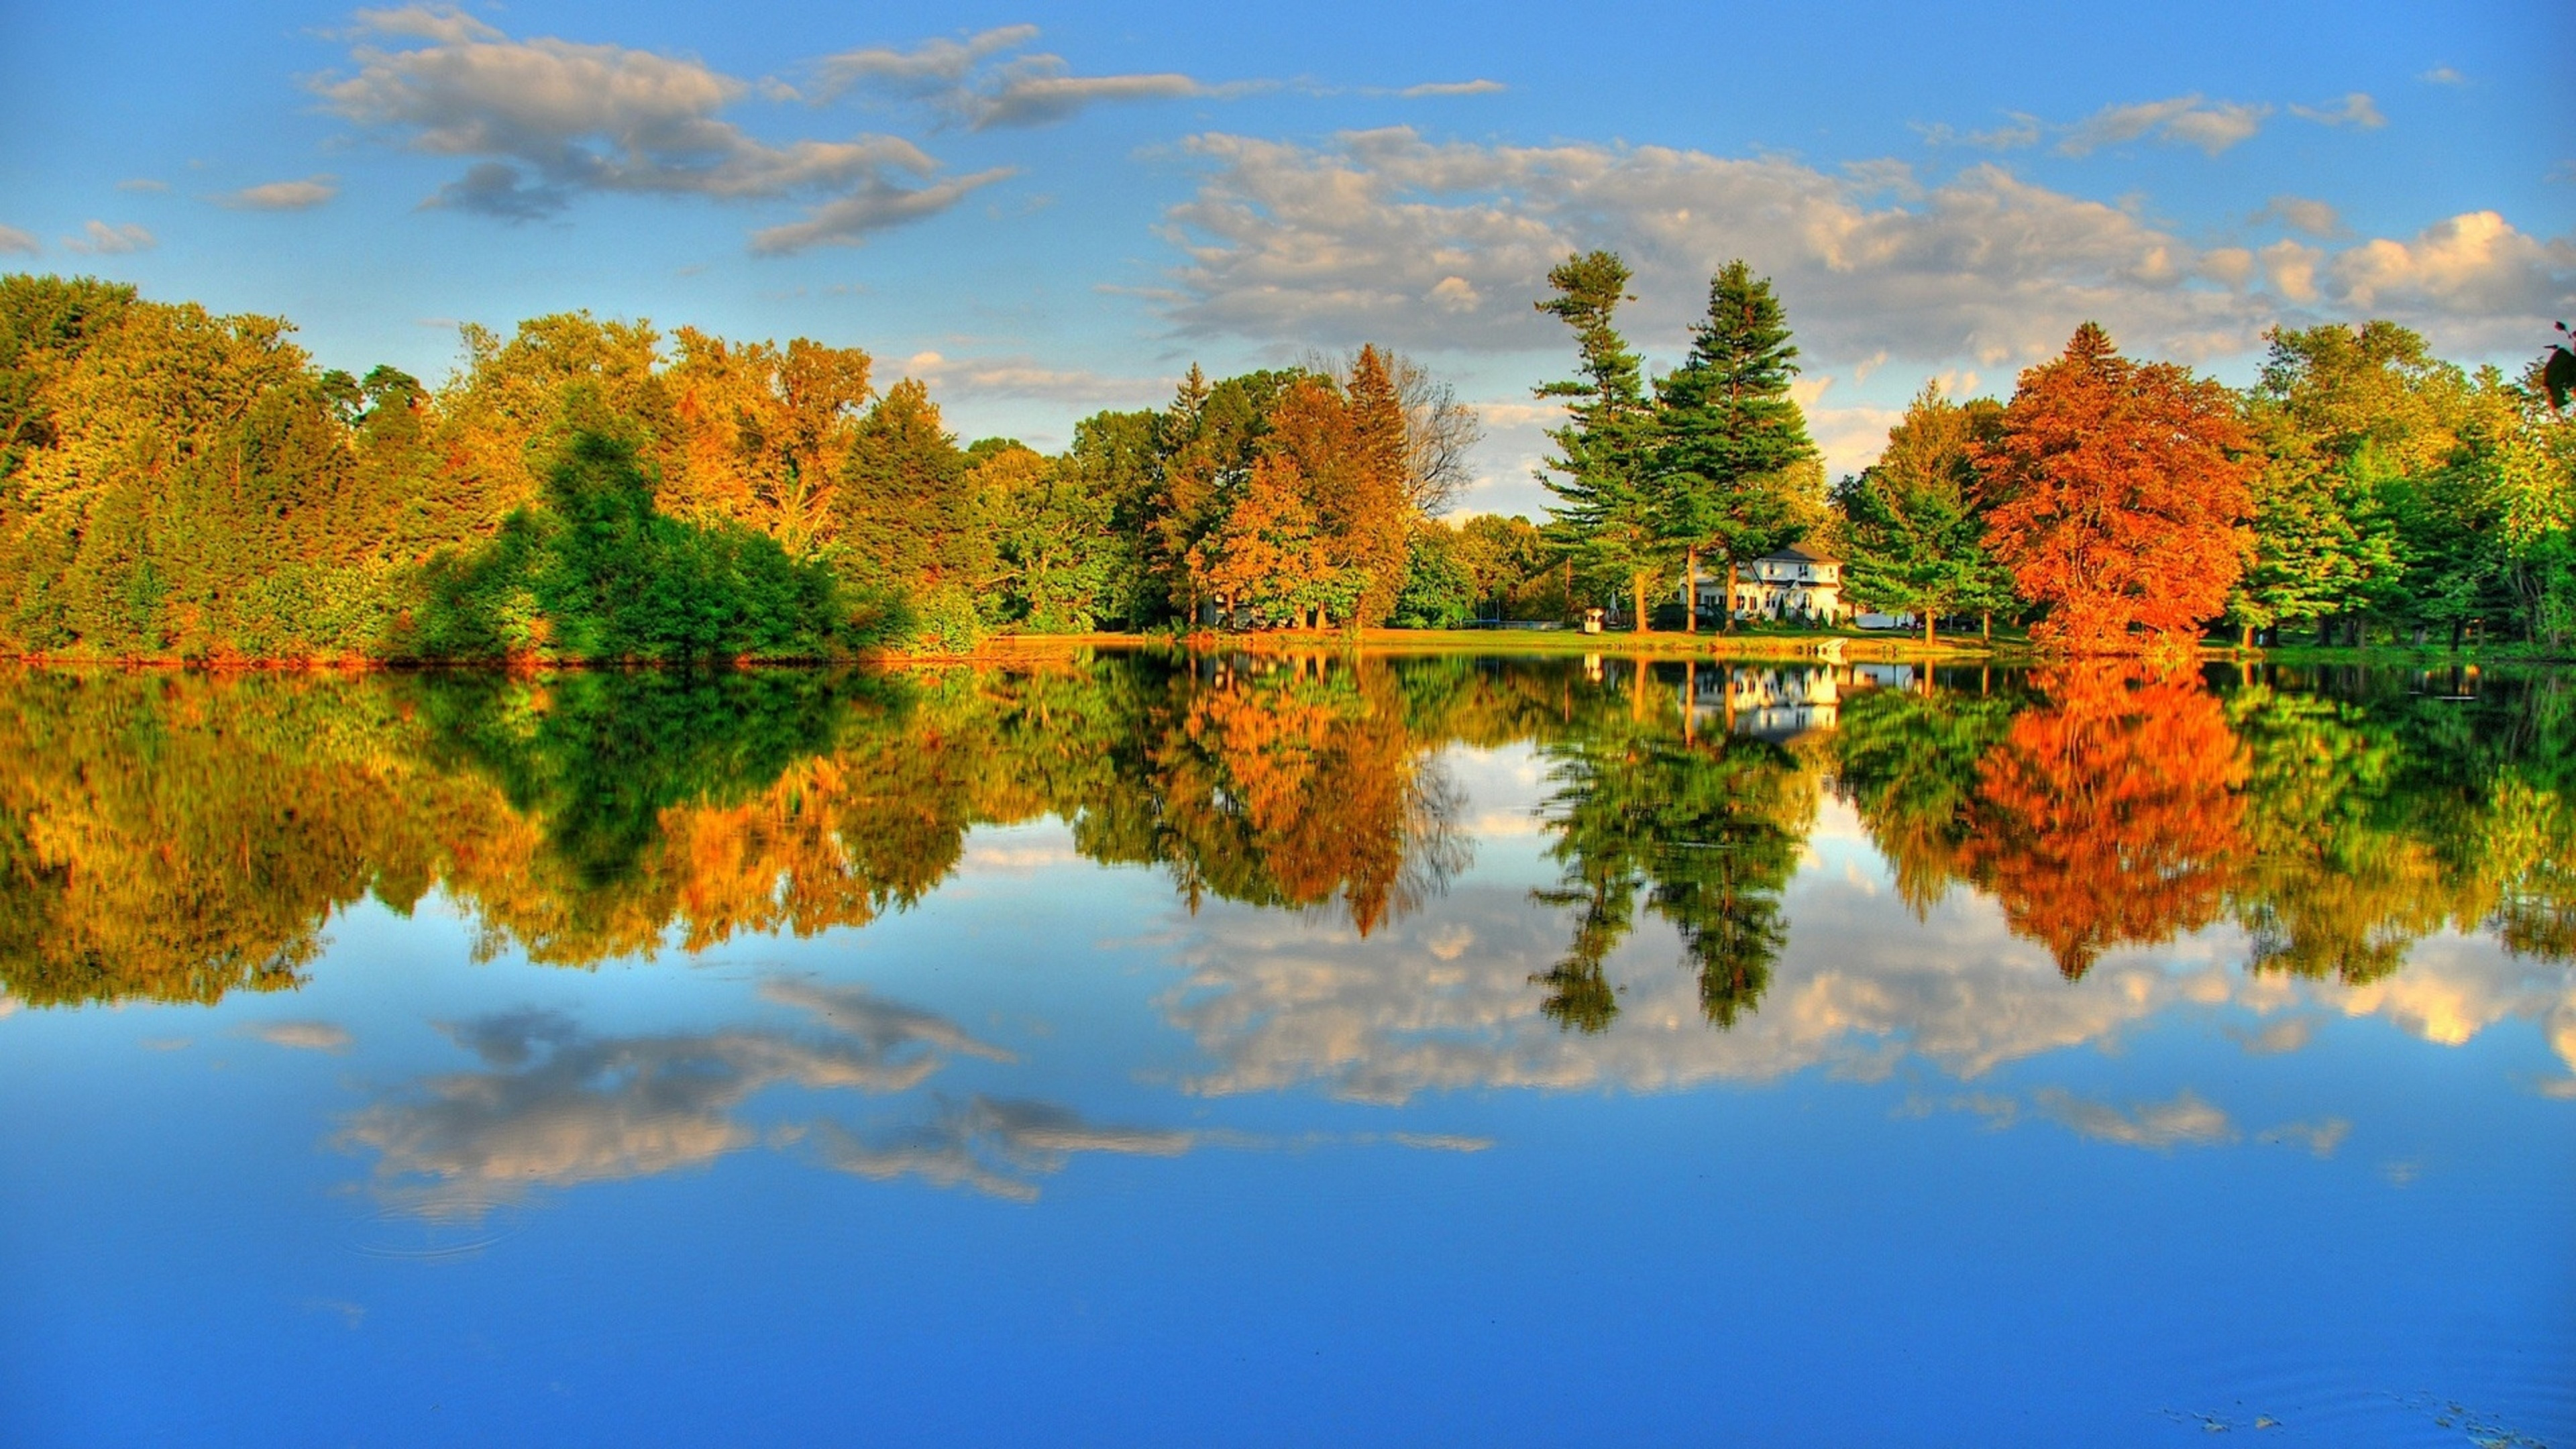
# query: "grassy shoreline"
{"points": [[1811, 646]]}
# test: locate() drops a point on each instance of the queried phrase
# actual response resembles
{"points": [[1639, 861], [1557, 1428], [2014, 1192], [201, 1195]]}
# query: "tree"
{"points": [[909, 520], [1439, 589], [2113, 815], [2558, 371], [1265, 557], [2127, 494], [2351, 516], [764, 431], [1512, 567], [1606, 515], [1051, 536], [1439, 430], [1730, 436], [1348, 451], [1915, 521]]}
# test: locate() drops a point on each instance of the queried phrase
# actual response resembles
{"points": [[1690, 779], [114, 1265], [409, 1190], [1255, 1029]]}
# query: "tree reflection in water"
{"points": [[180, 836], [1709, 828]]}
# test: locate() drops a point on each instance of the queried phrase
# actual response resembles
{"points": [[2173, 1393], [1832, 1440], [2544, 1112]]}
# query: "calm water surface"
{"points": [[1312, 1050]]}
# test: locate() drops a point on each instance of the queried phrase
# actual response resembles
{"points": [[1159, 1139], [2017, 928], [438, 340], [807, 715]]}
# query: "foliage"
{"points": [[1915, 521], [175, 485], [1730, 438], [1439, 589], [1606, 515], [599, 573], [178, 836], [2124, 487]]}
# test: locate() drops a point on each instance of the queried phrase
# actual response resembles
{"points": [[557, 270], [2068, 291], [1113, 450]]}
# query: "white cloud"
{"points": [[1026, 377], [2356, 110], [2316, 218], [930, 69], [2473, 265], [554, 1106], [2212, 126], [2019, 130], [302, 195], [311, 1036], [2186, 1121], [14, 242], [967, 83], [551, 119], [991, 1145], [99, 239], [874, 207], [2443, 75], [2291, 267], [1453, 88], [1386, 236], [2320, 1137], [1037, 100]]}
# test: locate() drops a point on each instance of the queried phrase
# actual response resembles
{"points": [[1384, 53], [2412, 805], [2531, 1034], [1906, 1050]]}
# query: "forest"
{"points": [[182, 835], [176, 485]]}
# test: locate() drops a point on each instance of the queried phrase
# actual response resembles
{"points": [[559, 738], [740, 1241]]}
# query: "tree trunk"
{"points": [[1690, 589], [1928, 635], [1637, 586], [2325, 631], [1986, 626], [2244, 636], [1727, 609]]}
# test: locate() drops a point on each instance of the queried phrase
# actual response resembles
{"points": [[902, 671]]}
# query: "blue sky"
{"points": [[1046, 210]]}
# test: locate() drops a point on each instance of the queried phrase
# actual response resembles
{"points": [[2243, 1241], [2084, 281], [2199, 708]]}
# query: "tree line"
{"points": [[2360, 489], [177, 484]]}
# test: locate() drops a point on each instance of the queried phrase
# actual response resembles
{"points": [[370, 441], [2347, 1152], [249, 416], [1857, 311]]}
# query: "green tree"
{"points": [[1915, 521], [1729, 435], [1439, 588], [1606, 513]]}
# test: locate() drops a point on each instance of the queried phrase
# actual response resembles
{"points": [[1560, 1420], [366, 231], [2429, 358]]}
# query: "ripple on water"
{"points": [[432, 1232], [2520, 1397]]}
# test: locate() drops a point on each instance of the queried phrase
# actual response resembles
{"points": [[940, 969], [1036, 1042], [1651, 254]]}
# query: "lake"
{"points": [[1289, 1049]]}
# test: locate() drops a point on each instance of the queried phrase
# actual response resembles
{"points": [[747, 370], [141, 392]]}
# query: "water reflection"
{"points": [[554, 1106], [178, 837]]}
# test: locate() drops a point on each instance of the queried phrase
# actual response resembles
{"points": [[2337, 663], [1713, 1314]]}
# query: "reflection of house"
{"points": [[1794, 583], [1772, 703]]}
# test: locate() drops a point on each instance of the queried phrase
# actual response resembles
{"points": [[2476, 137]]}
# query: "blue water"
{"points": [[1052, 1157]]}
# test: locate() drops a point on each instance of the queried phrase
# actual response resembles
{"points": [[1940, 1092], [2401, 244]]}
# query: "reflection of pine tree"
{"points": [[1710, 830]]}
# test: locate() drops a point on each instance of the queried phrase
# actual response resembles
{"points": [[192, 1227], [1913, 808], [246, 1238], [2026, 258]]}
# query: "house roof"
{"points": [[1800, 553]]}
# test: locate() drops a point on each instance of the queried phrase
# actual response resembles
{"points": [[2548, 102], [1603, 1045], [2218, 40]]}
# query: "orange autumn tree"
{"points": [[764, 431], [2126, 488], [2114, 816], [1349, 448]]}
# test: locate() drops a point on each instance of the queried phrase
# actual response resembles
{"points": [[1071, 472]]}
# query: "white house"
{"points": [[1796, 582]]}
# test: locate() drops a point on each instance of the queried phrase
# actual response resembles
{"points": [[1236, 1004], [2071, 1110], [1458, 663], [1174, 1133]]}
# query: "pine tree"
{"points": [[1729, 433], [1606, 517]]}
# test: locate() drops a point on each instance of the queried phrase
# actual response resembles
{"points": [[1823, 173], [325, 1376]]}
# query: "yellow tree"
{"points": [[1264, 555], [764, 430]]}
